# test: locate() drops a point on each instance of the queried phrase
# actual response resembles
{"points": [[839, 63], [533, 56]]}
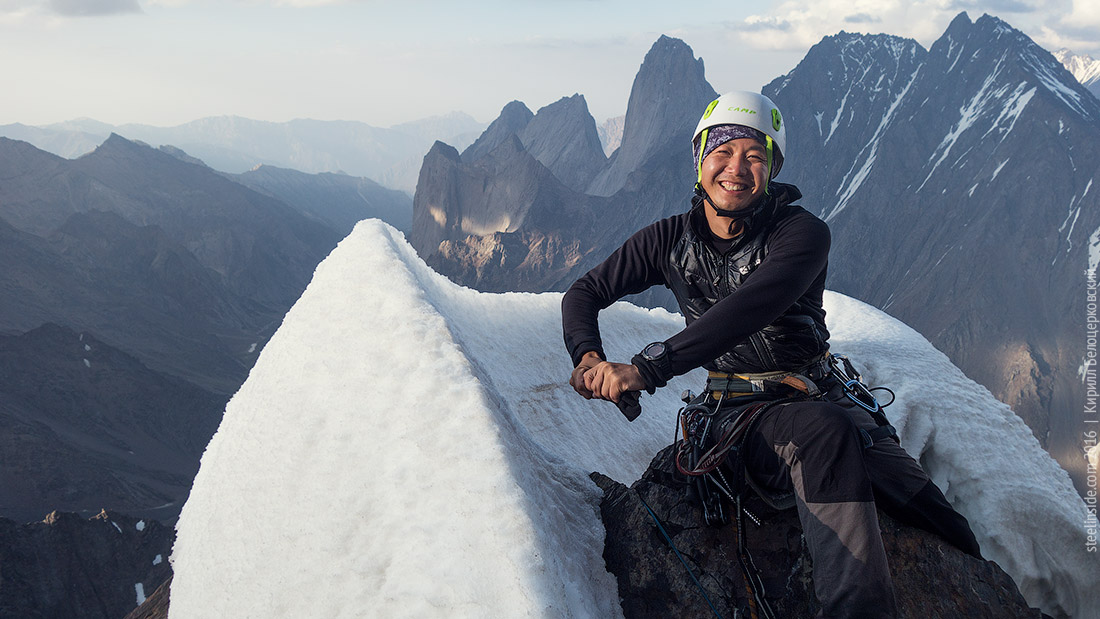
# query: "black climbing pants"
{"points": [[815, 448]]}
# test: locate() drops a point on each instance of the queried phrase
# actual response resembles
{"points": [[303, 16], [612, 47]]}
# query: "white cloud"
{"points": [[1076, 27], [795, 25], [798, 25]]}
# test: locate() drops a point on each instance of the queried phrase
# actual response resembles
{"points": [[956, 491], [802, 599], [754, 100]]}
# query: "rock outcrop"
{"points": [[931, 578], [505, 222]]}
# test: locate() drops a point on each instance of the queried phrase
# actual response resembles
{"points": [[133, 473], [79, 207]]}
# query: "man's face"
{"points": [[735, 174]]}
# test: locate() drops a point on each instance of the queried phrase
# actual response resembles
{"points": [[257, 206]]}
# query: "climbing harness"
{"points": [[711, 430]]}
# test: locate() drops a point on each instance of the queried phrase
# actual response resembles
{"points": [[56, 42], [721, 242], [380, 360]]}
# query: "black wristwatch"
{"points": [[657, 354]]}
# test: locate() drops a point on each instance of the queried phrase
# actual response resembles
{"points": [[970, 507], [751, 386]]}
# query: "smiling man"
{"points": [[747, 267]]}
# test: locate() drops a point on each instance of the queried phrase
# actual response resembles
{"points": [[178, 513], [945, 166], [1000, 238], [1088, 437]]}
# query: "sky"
{"points": [[323, 494], [166, 62]]}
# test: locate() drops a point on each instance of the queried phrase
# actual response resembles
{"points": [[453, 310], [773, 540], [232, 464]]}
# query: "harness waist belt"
{"points": [[748, 383]]}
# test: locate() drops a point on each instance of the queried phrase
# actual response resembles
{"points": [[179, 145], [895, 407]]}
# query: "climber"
{"points": [[747, 267]]}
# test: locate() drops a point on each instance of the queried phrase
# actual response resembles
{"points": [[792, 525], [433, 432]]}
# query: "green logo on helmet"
{"points": [[710, 108], [743, 110], [777, 122]]}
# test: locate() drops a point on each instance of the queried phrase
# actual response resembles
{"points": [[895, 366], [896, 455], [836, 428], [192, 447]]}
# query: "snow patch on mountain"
{"points": [[408, 447], [1045, 71], [848, 189], [989, 99]]}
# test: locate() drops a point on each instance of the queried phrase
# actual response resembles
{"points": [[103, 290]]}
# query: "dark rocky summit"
{"points": [[665, 102], [66, 566], [563, 137], [931, 578]]}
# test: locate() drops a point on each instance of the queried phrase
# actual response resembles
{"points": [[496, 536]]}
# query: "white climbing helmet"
{"points": [[749, 109]]}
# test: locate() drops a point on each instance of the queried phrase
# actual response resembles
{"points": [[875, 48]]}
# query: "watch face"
{"points": [[654, 351]]}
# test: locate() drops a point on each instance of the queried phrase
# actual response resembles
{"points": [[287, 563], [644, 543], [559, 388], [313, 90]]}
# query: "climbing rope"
{"points": [[679, 556]]}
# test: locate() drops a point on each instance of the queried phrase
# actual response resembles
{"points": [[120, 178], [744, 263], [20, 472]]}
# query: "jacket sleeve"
{"points": [[798, 252], [631, 269]]}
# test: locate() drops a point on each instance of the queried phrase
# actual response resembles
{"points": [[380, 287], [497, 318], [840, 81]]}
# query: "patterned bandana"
{"points": [[721, 134]]}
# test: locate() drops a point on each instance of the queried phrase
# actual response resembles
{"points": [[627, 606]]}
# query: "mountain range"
{"points": [[390, 156], [915, 158], [138, 291], [939, 214]]}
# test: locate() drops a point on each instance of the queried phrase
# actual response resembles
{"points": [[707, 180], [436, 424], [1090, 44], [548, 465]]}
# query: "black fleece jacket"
{"points": [[790, 275]]}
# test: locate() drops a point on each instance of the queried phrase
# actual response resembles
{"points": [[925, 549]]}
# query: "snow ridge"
{"points": [[405, 447]]}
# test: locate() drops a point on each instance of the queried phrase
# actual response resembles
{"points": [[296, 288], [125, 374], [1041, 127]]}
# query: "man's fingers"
{"points": [[593, 381], [576, 380]]}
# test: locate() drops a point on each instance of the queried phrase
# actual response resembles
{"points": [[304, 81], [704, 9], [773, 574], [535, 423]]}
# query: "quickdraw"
{"points": [[699, 459]]}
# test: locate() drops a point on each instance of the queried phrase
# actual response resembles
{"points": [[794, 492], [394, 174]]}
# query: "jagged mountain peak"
{"points": [[563, 137], [443, 149], [576, 101], [996, 56], [670, 81], [512, 119], [855, 83], [870, 64], [516, 107], [988, 32], [1083, 67], [117, 146]]}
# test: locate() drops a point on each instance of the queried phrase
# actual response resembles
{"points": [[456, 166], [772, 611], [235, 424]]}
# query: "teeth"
{"points": [[734, 186]]}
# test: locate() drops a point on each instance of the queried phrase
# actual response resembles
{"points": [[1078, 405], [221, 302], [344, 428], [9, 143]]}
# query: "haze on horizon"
{"points": [[167, 62]]}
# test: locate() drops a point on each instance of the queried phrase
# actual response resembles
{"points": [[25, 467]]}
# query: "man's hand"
{"points": [[588, 361], [608, 381]]}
